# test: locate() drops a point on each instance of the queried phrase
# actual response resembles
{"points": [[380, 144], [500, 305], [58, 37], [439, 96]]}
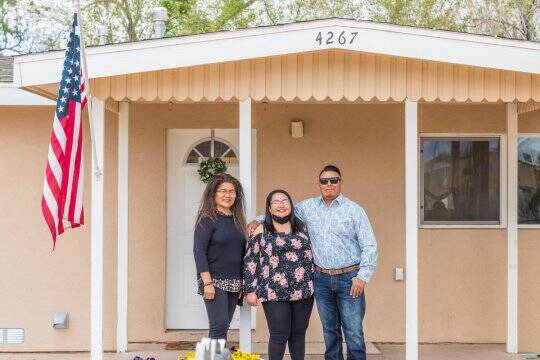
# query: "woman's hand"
{"points": [[252, 226], [209, 292], [251, 299]]}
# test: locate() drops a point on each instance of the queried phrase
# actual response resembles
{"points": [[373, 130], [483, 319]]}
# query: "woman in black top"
{"points": [[278, 268], [218, 248]]}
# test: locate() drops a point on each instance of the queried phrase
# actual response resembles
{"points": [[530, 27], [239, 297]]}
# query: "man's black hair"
{"points": [[330, 168]]}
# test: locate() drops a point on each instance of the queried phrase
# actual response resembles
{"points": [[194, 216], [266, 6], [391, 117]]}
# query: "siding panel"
{"points": [[327, 74]]}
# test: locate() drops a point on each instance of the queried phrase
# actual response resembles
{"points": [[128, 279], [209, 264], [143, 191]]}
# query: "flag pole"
{"points": [[97, 169]]}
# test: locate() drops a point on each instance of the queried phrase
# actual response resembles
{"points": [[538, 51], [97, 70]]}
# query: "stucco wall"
{"points": [[36, 281]]}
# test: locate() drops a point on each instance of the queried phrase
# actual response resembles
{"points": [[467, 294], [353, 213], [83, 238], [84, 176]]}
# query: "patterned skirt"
{"points": [[229, 285]]}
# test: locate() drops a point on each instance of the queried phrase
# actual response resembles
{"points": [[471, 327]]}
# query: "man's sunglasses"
{"points": [[326, 181]]}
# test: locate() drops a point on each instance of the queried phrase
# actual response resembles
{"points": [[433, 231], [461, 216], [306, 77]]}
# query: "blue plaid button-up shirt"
{"points": [[341, 234]]}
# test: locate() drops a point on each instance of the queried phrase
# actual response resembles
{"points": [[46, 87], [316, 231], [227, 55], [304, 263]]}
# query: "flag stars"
{"points": [[71, 74]]}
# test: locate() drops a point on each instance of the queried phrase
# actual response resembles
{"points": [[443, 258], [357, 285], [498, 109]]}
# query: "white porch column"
{"points": [[122, 262], [411, 230], [96, 231], [512, 211], [247, 181]]}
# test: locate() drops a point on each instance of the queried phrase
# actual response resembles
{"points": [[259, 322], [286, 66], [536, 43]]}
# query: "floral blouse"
{"points": [[279, 266]]}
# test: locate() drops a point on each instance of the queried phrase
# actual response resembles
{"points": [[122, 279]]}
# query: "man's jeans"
{"points": [[336, 309]]}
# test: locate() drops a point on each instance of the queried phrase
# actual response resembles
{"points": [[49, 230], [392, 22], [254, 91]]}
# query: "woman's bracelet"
{"points": [[210, 283]]}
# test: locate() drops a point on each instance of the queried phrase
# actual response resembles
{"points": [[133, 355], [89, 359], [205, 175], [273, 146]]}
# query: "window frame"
{"points": [[503, 180], [200, 141], [525, 135]]}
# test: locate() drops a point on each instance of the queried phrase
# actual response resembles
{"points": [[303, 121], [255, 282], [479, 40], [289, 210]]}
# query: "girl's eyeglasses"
{"points": [[284, 202]]}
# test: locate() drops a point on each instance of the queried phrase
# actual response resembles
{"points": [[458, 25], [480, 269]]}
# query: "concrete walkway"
{"points": [[388, 352]]}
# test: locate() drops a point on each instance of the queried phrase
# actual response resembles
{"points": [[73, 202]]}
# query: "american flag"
{"points": [[63, 185]]}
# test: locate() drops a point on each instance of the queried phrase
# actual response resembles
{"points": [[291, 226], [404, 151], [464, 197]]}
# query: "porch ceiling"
{"points": [[323, 75]]}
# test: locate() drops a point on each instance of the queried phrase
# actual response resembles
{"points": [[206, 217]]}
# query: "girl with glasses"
{"points": [[278, 268], [218, 248]]}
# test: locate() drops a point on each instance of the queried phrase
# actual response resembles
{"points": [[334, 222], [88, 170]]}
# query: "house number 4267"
{"points": [[331, 37]]}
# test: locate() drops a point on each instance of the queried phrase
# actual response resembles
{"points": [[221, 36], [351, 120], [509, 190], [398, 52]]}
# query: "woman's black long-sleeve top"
{"points": [[218, 248]]}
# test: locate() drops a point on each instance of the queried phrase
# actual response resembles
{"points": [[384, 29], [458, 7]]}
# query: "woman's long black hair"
{"points": [[207, 208], [296, 224]]}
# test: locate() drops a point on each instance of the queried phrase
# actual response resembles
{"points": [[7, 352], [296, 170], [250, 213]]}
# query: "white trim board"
{"points": [[386, 39]]}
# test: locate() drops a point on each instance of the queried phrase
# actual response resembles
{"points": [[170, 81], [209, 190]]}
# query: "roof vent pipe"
{"points": [[159, 15], [102, 35]]}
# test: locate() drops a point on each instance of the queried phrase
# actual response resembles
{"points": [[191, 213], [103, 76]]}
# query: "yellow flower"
{"points": [[187, 356], [239, 355]]}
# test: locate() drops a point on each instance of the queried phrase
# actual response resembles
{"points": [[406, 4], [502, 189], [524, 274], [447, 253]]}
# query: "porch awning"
{"points": [[332, 59], [322, 75]]}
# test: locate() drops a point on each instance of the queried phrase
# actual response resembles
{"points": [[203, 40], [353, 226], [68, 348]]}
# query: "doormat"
{"points": [[190, 345]]}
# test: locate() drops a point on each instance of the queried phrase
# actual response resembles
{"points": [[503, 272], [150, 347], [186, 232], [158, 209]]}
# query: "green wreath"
{"points": [[210, 168]]}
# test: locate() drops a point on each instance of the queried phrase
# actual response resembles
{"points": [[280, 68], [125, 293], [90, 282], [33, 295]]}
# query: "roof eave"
{"points": [[386, 39]]}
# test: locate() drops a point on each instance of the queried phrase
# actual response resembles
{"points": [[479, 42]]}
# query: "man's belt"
{"points": [[337, 271]]}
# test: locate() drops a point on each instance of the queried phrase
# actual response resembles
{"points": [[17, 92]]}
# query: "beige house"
{"points": [[437, 135]]}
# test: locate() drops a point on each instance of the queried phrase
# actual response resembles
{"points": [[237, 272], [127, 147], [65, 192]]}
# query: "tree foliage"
{"points": [[122, 20], [11, 35], [34, 25], [432, 14], [195, 17], [516, 19]]}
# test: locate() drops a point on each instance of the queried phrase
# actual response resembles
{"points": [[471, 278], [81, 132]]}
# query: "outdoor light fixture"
{"points": [[297, 129], [60, 320]]}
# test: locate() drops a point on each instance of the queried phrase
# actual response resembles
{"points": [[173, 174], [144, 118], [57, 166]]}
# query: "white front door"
{"points": [[185, 308]]}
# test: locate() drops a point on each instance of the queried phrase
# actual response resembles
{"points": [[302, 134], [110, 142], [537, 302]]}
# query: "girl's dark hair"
{"points": [[208, 209], [296, 224]]}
